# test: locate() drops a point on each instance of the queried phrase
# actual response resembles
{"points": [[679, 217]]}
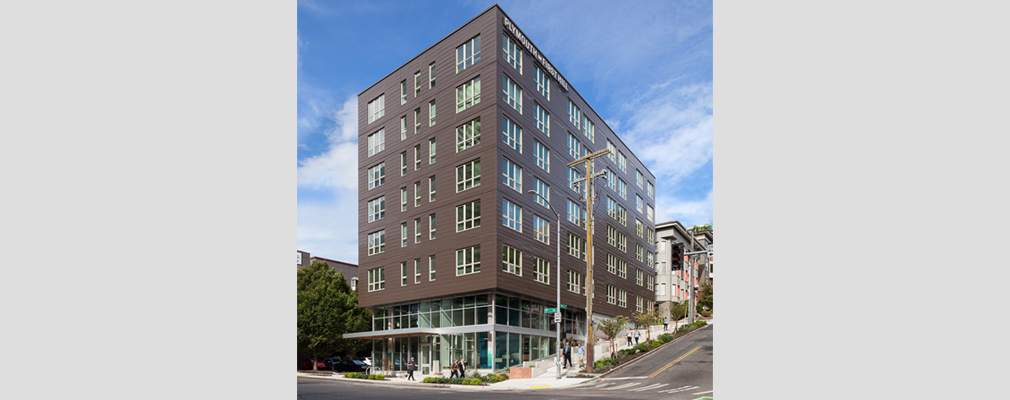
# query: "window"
{"points": [[638, 277], [611, 294], [512, 134], [650, 190], [403, 234], [403, 128], [403, 92], [431, 75], [589, 129], [649, 283], [417, 194], [543, 82], [661, 290], [639, 253], [541, 229], [376, 242], [543, 190], [661, 269], [468, 215], [431, 268], [417, 120], [576, 246], [622, 215], [417, 270], [573, 146], [417, 157], [468, 135], [512, 260], [574, 114], [622, 268], [376, 142], [622, 162], [512, 53], [468, 175], [649, 258], [376, 279], [468, 260], [376, 176], [403, 198], [622, 298], [403, 163], [541, 270], [431, 151], [638, 227], [638, 178], [622, 188], [417, 230], [611, 260], [512, 215], [431, 227], [622, 242], [576, 214], [467, 54], [403, 274], [417, 83], [431, 188], [512, 175], [543, 119], [611, 236], [638, 304], [377, 209], [648, 213], [613, 151], [376, 108], [573, 179], [431, 113], [638, 203], [661, 246], [611, 180], [543, 156], [512, 94], [468, 94], [576, 283]]}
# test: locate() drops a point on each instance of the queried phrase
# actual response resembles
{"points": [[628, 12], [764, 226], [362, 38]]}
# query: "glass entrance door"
{"points": [[424, 363]]}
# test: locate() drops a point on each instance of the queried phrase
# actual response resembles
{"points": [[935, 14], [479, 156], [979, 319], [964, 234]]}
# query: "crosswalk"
{"points": [[643, 387]]}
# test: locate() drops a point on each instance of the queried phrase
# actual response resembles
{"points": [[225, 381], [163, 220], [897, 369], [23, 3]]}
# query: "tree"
{"points": [[327, 308], [705, 227], [647, 319], [678, 310], [705, 296], [611, 327]]}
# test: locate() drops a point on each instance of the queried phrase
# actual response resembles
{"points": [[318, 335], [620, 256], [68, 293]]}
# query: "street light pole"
{"points": [[557, 325]]}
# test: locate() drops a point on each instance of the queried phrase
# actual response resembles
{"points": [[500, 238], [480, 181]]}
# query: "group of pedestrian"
{"points": [[567, 350], [458, 368], [633, 332]]}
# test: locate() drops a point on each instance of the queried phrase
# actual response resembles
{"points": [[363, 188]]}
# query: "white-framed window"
{"points": [[468, 215], [611, 236], [431, 227], [467, 175], [543, 82], [376, 242], [431, 75], [431, 151], [377, 175], [638, 303], [649, 259], [377, 209], [611, 260], [649, 213], [611, 208], [417, 157], [576, 246], [512, 134], [512, 215], [576, 214], [417, 194], [622, 215], [403, 92], [417, 230], [661, 289], [622, 188], [574, 176], [639, 203], [611, 179], [468, 135], [468, 53], [468, 94], [468, 260], [651, 190], [638, 179], [403, 163], [512, 260], [542, 155], [588, 129], [431, 113], [622, 162], [403, 198], [417, 83], [376, 108], [622, 242], [403, 128], [417, 270], [376, 279], [649, 282], [512, 93], [660, 269], [543, 190], [638, 277], [661, 246], [543, 119], [541, 229], [622, 298], [574, 147], [403, 273], [622, 268], [541, 270], [611, 294], [431, 188], [576, 283], [431, 268], [376, 142], [403, 234], [513, 54], [512, 175], [417, 120], [574, 115], [639, 228], [639, 253]]}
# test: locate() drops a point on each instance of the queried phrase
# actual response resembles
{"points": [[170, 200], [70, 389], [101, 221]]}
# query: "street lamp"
{"points": [[557, 324]]}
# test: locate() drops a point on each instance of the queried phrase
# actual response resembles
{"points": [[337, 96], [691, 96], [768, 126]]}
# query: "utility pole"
{"points": [[690, 281], [590, 175]]}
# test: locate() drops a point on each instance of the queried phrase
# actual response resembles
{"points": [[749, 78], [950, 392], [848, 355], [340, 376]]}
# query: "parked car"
{"points": [[331, 362], [350, 366], [307, 364]]}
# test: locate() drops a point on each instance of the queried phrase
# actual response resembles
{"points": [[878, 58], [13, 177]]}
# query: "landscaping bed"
{"points": [[626, 355], [477, 379]]}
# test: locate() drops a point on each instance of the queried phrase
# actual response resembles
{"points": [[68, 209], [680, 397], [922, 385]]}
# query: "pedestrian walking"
{"points": [[462, 368], [411, 366], [568, 354], [455, 368], [664, 324], [636, 336], [579, 353], [629, 337]]}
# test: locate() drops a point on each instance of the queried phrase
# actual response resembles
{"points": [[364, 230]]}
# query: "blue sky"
{"points": [[644, 66]]}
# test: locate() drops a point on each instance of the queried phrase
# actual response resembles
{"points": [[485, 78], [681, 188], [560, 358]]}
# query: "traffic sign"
{"points": [[557, 318], [551, 310]]}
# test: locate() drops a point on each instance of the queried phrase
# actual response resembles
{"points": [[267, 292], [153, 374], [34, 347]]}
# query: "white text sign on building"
{"points": [[562, 83]]}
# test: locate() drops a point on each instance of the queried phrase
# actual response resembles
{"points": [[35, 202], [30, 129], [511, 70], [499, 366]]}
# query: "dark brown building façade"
{"points": [[456, 259]]}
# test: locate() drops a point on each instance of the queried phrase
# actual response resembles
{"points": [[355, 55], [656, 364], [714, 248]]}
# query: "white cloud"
{"points": [[337, 167], [330, 228], [688, 212]]}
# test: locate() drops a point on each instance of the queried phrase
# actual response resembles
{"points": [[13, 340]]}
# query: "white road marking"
{"points": [[680, 389], [625, 386], [650, 387], [710, 391], [630, 377], [597, 386]]}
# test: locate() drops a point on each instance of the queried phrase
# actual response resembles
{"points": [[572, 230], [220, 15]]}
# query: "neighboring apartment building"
{"points": [[674, 277], [458, 259], [349, 270]]}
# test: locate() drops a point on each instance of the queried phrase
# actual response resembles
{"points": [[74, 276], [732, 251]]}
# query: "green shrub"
{"points": [[666, 337], [476, 375], [642, 347], [654, 343]]}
